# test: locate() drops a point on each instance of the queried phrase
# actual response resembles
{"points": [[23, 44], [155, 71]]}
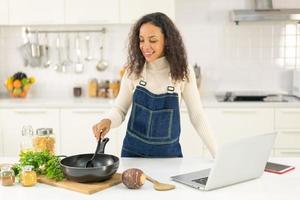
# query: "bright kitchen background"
{"points": [[250, 56]]}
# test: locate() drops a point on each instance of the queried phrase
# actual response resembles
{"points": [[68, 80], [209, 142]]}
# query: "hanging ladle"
{"points": [[102, 64]]}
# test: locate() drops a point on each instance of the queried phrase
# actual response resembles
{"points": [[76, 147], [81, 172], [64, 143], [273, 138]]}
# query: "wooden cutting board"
{"points": [[86, 188]]}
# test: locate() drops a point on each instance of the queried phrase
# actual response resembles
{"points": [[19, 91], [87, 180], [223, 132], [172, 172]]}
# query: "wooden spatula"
{"points": [[160, 186]]}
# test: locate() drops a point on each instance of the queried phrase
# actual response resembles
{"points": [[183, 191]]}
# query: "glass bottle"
{"points": [[44, 140], [26, 141], [7, 176], [28, 176]]}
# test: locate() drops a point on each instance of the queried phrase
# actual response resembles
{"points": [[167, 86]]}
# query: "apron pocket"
{"points": [[161, 124], [151, 125], [140, 122]]}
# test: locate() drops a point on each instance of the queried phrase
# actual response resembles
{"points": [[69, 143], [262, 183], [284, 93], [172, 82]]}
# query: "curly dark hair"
{"points": [[174, 49]]}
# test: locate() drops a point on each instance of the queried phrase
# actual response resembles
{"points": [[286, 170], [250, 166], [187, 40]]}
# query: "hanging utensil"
{"points": [[35, 47], [57, 66], [102, 64], [79, 67], [87, 45], [47, 62], [62, 57], [68, 62]]}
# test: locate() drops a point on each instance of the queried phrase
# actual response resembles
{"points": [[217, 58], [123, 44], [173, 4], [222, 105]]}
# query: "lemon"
{"points": [[32, 80]]}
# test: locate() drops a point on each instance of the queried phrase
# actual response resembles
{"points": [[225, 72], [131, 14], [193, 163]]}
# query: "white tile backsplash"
{"points": [[250, 56]]}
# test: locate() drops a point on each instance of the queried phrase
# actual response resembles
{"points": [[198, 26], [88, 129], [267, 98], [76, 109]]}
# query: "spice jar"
{"points": [[93, 88], [26, 141], [114, 88], [28, 176], [44, 140], [7, 176], [102, 89]]}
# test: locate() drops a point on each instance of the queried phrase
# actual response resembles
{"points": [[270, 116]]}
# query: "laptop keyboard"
{"points": [[202, 181]]}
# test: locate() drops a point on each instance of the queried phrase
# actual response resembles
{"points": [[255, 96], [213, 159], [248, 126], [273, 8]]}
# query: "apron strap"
{"points": [[143, 81]]}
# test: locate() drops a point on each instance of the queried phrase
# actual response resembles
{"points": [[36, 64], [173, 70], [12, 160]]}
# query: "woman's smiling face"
{"points": [[152, 42]]}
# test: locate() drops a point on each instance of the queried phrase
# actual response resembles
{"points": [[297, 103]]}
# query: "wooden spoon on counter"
{"points": [[160, 186]]}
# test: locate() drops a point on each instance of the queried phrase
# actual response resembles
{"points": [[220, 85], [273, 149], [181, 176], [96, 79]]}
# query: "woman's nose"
{"points": [[146, 44]]}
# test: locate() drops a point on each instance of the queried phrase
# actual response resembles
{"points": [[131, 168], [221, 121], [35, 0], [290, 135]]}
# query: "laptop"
{"points": [[235, 162]]}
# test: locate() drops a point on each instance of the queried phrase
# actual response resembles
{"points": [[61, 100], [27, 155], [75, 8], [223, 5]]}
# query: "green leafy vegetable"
{"points": [[43, 164]]}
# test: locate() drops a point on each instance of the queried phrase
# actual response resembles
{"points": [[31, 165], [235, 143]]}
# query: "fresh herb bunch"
{"points": [[43, 164]]}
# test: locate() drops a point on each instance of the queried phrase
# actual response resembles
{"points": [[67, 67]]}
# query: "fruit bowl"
{"points": [[19, 84]]}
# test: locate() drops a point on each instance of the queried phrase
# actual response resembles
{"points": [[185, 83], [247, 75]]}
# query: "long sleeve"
{"points": [[122, 102], [196, 113]]}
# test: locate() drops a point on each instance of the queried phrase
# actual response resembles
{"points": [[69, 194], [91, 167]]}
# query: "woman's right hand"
{"points": [[101, 129]]}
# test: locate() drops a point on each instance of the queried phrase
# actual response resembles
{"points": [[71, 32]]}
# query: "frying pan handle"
{"points": [[102, 145], [61, 156]]}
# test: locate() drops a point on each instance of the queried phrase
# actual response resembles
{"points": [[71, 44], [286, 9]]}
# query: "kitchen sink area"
{"points": [[245, 96]]}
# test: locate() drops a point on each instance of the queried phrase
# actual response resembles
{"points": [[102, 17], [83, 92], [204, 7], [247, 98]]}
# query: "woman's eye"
{"points": [[153, 41], [141, 41]]}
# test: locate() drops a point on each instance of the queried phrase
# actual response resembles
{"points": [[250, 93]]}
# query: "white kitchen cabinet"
{"points": [[91, 11], [12, 121], [287, 118], [1, 132], [287, 153], [190, 141], [77, 135], [36, 12], [287, 124], [131, 10], [4, 12], [233, 123]]}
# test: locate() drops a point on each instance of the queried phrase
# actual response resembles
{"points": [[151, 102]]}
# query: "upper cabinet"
{"points": [[3, 12], [51, 12], [35, 12], [131, 10], [91, 11]]}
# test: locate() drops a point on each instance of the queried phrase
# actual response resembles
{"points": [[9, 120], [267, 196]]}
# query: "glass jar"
{"points": [[102, 89], [28, 176], [93, 88], [44, 140], [26, 140], [7, 176]]}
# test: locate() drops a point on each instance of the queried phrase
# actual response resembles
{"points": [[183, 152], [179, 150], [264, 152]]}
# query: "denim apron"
{"points": [[153, 129]]}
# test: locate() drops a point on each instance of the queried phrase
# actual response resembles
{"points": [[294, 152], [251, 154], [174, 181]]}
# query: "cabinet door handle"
{"points": [[290, 111], [289, 132], [30, 111], [239, 111], [290, 152]]}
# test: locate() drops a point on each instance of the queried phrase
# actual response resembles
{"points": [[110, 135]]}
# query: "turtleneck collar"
{"points": [[158, 64]]}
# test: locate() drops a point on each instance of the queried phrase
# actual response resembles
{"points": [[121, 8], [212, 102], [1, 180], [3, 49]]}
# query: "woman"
{"points": [[155, 81]]}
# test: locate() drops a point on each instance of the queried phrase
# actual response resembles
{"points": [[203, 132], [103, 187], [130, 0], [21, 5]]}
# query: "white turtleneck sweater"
{"points": [[157, 75]]}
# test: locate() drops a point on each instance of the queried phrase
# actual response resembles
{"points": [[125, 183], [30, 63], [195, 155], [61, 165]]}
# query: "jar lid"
{"points": [[27, 168], [41, 131], [5, 168], [27, 130], [44, 131], [49, 130]]}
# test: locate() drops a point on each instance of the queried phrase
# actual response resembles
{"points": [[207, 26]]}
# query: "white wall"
{"points": [[252, 56]]}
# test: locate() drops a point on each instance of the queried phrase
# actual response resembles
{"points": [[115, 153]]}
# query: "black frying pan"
{"points": [[104, 166]]}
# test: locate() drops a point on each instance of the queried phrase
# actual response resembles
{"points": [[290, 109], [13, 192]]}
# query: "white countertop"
{"points": [[208, 101], [268, 187], [40, 102]]}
